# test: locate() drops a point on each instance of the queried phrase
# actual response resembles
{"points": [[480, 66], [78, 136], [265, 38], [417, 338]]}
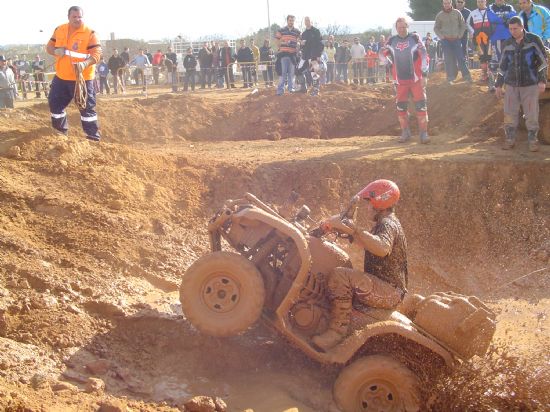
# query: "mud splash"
{"points": [[499, 381]]}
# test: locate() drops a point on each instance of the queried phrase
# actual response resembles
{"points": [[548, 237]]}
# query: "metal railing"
{"points": [[253, 74], [248, 73], [37, 83]]}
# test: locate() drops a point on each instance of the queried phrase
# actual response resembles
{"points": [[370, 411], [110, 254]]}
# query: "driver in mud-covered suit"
{"points": [[383, 283]]}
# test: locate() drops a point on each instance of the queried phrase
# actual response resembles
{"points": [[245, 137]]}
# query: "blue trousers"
{"points": [[453, 56], [61, 94]]}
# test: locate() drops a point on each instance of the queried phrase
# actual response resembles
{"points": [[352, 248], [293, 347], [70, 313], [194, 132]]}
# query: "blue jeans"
{"points": [[453, 55], [342, 72], [287, 75]]}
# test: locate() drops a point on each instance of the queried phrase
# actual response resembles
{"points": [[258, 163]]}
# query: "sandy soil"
{"points": [[94, 239]]}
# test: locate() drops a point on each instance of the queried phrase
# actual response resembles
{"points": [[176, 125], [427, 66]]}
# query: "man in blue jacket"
{"points": [[523, 68], [502, 13], [536, 19]]}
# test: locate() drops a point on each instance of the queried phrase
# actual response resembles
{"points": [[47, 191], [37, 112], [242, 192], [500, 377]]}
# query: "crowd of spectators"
{"points": [[216, 65], [28, 75]]}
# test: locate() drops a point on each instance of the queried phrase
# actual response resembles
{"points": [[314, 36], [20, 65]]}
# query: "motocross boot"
{"points": [[424, 137], [491, 81], [405, 135], [338, 327], [510, 139], [423, 127], [403, 117], [484, 72], [533, 141]]}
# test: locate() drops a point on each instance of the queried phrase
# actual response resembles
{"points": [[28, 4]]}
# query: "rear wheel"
{"points": [[377, 383], [222, 294]]}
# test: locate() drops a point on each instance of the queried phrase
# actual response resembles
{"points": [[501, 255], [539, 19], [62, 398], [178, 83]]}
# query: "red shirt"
{"points": [[157, 58]]}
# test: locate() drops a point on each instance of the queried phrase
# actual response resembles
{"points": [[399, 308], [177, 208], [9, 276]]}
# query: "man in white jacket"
{"points": [[7, 84]]}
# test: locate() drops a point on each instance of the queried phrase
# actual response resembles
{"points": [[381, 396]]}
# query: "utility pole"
{"points": [[268, 21]]}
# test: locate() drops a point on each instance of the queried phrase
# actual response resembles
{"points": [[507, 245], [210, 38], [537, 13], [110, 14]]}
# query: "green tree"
{"points": [[424, 9], [263, 34]]}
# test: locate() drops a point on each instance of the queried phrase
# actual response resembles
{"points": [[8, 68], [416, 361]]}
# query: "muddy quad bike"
{"points": [[277, 272]]}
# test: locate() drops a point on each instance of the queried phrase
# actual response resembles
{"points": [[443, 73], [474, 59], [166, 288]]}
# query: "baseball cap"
{"points": [[2, 58]]}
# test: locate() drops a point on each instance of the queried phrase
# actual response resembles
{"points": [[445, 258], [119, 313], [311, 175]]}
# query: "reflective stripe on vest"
{"points": [[76, 50], [76, 54]]}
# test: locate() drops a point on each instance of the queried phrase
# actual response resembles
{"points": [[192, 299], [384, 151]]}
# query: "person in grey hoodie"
{"points": [[450, 27]]}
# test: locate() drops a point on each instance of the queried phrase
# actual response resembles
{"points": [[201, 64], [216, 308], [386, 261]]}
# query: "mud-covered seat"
{"points": [[463, 323]]}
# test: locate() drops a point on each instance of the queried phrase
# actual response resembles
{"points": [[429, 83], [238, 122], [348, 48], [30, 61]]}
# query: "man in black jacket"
{"points": [[205, 61], [171, 63], [266, 59], [245, 58], [523, 68], [190, 65], [115, 63], [126, 59], [342, 58], [312, 46]]}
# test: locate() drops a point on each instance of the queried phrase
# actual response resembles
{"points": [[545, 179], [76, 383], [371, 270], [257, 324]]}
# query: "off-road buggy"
{"points": [[277, 272]]}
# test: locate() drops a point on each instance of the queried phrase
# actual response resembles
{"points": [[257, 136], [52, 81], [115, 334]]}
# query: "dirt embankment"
{"points": [[95, 238], [341, 111]]}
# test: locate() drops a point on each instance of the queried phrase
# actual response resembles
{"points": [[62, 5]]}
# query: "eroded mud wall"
{"points": [[459, 216]]}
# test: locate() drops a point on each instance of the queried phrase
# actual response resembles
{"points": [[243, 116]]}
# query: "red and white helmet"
{"points": [[381, 193]]}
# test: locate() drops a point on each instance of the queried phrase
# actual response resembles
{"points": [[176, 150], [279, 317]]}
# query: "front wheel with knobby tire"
{"points": [[222, 294], [377, 383]]}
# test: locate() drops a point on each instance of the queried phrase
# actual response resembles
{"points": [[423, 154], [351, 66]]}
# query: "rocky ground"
{"points": [[95, 238]]}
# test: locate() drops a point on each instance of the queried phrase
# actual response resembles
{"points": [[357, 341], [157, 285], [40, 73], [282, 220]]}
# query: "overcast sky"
{"points": [[23, 22]]}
